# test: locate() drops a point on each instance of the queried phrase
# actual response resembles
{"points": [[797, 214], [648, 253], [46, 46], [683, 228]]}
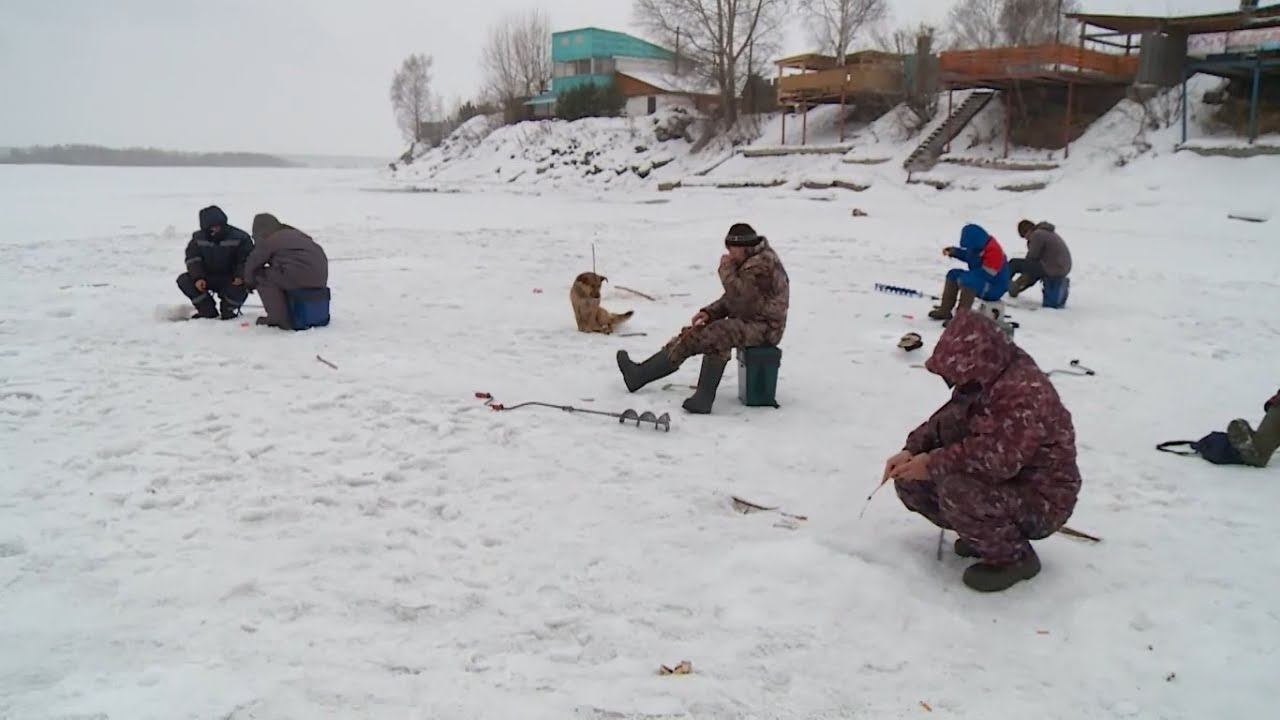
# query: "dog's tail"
{"points": [[619, 317]]}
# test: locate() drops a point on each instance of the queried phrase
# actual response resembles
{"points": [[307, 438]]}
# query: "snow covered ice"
{"points": [[200, 520]]}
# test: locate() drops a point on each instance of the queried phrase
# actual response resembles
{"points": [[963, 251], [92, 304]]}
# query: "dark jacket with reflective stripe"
{"points": [[223, 256]]}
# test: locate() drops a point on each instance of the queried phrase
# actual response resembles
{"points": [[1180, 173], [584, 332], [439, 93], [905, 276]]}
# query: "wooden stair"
{"points": [[926, 155]]}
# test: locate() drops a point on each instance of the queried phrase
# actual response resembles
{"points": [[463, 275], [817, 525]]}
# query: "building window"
{"points": [[653, 104], [579, 39]]}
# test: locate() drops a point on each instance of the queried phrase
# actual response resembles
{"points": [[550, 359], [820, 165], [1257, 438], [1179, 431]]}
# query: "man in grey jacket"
{"points": [[283, 258], [1047, 257]]}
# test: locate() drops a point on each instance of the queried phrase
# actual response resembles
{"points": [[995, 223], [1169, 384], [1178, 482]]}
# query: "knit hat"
{"points": [[264, 224], [742, 235]]}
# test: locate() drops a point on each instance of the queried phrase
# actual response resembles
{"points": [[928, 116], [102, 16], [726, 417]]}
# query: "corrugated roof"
{"points": [[683, 84], [1190, 24]]}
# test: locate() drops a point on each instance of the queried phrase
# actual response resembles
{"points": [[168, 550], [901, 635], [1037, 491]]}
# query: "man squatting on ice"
{"points": [[284, 258], [997, 463], [216, 256], [751, 312], [1048, 257]]}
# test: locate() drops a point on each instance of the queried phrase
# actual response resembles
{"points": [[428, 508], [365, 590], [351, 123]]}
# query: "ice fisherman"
{"points": [[997, 462], [1048, 257], [751, 312], [986, 279], [216, 256], [1256, 447], [284, 258]]}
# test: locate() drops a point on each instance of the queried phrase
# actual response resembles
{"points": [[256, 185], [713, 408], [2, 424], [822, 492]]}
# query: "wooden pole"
{"points": [[1008, 121], [1066, 124], [804, 122], [1184, 105], [1253, 101], [783, 104], [950, 95]]}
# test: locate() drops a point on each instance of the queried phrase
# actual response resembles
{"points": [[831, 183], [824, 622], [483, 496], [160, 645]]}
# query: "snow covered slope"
{"points": [[201, 520]]}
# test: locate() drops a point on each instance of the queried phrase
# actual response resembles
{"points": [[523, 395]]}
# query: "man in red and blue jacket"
{"points": [[987, 277]]}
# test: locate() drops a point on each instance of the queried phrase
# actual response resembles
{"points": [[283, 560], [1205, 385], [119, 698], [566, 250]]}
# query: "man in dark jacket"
{"points": [[215, 265], [1257, 446], [1048, 257], [284, 258], [752, 311], [997, 463]]}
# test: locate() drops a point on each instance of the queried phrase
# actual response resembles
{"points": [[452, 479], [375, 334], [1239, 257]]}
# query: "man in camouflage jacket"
{"points": [[997, 463], [751, 312]]}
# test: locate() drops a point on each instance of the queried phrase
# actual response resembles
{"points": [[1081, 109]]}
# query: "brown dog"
{"points": [[585, 297]]}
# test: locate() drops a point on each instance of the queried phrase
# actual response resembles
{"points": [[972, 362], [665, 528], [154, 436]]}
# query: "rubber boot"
{"points": [[637, 376], [943, 310], [967, 297], [965, 549], [229, 311], [205, 308], [708, 381], [994, 578], [1256, 447]]}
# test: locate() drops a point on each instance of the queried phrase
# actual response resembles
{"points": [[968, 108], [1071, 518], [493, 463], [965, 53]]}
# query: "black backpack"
{"points": [[1215, 447]]}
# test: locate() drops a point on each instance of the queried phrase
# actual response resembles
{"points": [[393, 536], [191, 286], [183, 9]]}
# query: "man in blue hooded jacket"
{"points": [[987, 277], [215, 265]]}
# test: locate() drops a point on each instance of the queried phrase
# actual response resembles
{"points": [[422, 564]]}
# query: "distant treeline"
{"points": [[134, 157]]}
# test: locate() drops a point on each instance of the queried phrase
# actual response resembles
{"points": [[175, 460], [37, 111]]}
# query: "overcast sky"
{"points": [[283, 76]]}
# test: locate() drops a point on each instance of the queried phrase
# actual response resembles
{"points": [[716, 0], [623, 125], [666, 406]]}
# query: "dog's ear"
{"points": [[604, 279]]}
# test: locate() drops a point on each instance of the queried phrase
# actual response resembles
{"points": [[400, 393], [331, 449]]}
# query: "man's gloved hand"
{"points": [[202, 285], [700, 319]]}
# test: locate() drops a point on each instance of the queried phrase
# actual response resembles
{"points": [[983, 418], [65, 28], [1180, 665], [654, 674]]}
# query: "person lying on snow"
{"points": [[1048, 257], [997, 463], [284, 258], [987, 277], [1256, 446], [216, 256], [752, 311]]}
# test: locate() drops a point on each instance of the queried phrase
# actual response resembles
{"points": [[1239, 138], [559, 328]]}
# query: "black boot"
{"points": [[994, 578], [965, 549], [637, 376], [205, 308], [708, 381], [229, 311]]}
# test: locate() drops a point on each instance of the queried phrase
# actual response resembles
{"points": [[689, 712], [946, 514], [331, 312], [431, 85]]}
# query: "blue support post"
{"points": [[1253, 101], [1184, 106]]}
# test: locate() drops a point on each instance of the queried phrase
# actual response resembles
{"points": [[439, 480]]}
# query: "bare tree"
{"points": [[1003, 23], [976, 23], [411, 96], [517, 57], [835, 23], [1035, 22], [718, 35]]}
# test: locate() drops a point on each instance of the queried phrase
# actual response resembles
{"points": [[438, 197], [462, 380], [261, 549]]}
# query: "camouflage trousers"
{"points": [[998, 520], [717, 338]]}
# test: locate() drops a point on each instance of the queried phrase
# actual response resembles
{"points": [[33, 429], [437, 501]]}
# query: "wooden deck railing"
{"points": [[862, 78], [1021, 61]]}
